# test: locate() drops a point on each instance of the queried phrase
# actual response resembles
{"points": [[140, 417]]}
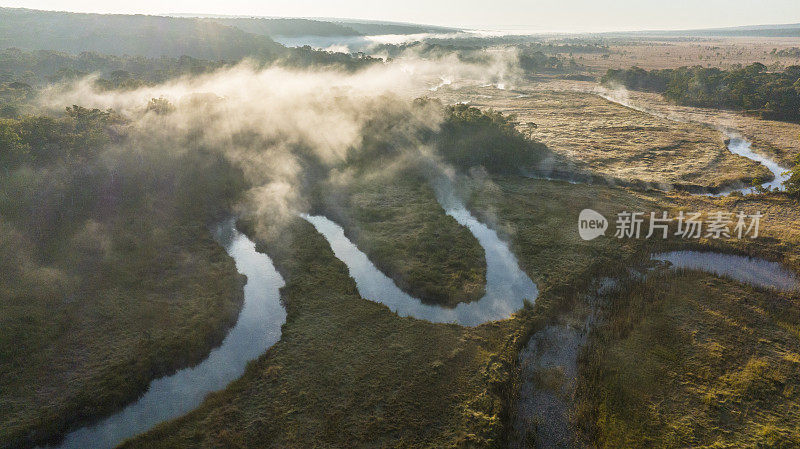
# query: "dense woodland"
{"points": [[22, 73], [529, 58], [151, 36], [772, 95], [287, 27], [44, 66], [470, 137]]}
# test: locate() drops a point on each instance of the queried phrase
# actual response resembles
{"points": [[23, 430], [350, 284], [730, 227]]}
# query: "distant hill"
{"points": [[150, 36], [319, 26], [782, 30], [381, 27], [287, 27], [787, 30]]}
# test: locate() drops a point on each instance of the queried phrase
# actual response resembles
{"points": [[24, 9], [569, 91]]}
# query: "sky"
{"points": [[522, 15]]}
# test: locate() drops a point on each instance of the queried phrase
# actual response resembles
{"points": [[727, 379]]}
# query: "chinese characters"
{"points": [[688, 225]]}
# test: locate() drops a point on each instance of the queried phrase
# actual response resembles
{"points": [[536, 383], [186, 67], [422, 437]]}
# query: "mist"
{"points": [[286, 128]]}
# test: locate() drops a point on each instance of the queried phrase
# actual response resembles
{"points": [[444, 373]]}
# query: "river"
{"points": [[258, 327], [507, 286]]}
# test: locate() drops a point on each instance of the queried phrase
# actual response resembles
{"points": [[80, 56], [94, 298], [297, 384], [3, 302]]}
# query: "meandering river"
{"points": [[507, 286], [257, 328]]}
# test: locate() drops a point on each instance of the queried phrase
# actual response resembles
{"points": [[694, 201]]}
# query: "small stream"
{"points": [[747, 270], [742, 147], [257, 328], [736, 144]]}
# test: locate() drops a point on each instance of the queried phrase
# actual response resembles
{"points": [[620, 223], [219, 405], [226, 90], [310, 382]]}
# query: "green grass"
{"points": [[348, 372], [691, 360]]}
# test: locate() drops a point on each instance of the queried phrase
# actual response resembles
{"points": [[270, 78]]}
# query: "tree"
{"points": [[793, 183], [12, 149], [160, 106]]}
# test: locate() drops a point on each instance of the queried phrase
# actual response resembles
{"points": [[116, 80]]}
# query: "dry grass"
{"points": [[594, 134], [780, 140], [694, 361], [665, 53]]}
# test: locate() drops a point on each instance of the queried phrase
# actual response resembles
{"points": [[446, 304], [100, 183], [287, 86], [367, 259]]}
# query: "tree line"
{"points": [[752, 89]]}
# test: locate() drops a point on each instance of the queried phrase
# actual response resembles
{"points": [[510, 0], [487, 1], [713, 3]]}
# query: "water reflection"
{"points": [[749, 270], [742, 147]]}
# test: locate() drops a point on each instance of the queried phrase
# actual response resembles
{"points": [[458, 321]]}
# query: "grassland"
{"points": [[627, 367], [591, 134], [539, 217], [691, 360], [395, 219], [76, 348], [626, 360], [348, 372], [779, 140], [779, 235], [670, 52]]}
